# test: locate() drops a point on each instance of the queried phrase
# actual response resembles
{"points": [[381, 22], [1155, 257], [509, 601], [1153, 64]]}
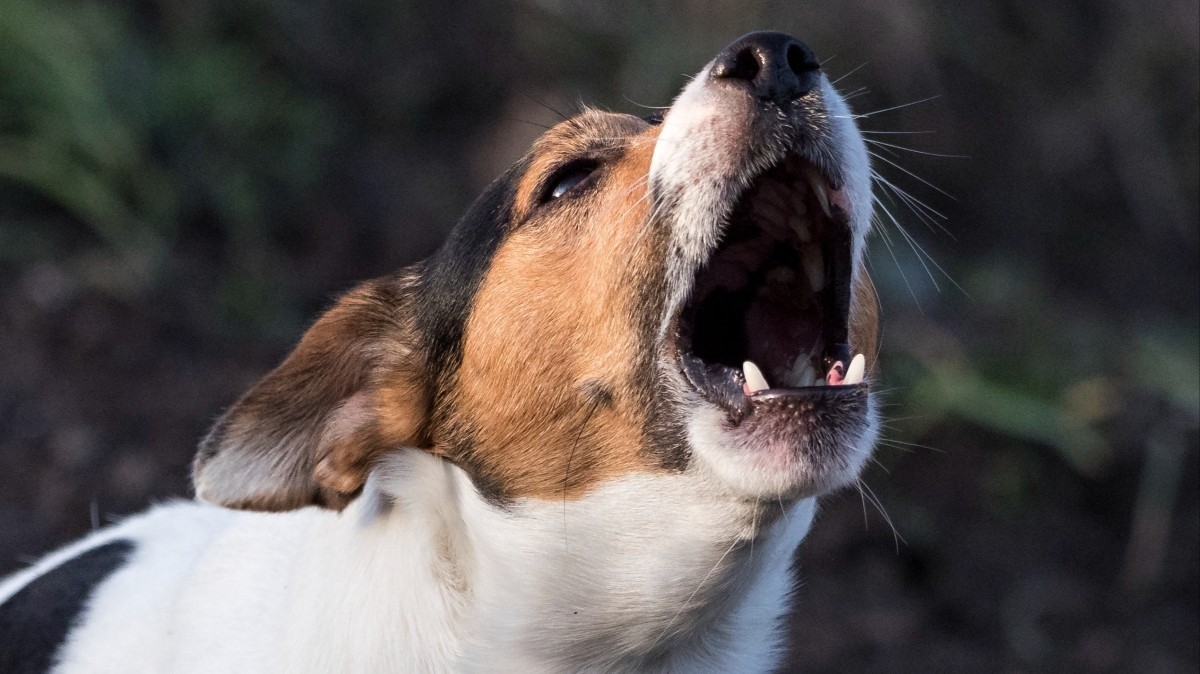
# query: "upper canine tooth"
{"points": [[755, 381], [817, 183], [854, 373], [814, 267], [823, 198]]}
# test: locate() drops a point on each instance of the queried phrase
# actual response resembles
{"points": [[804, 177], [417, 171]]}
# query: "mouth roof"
{"points": [[772, 303]]}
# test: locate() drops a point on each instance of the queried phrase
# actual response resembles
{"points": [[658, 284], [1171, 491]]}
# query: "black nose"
{"points": [[775, 67]]}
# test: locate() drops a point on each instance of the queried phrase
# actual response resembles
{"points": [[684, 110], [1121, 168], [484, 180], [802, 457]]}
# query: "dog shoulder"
{"points": [[43, 607]]}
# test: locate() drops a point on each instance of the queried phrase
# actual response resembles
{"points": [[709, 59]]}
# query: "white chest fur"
{"points": [[420, 574]]}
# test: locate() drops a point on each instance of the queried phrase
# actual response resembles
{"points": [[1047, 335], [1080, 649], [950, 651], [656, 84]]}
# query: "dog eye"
{"points": [[569, 178]]}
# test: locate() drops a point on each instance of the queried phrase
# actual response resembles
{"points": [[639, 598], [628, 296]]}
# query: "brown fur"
{"points": [[554, 383], [352, 387]]}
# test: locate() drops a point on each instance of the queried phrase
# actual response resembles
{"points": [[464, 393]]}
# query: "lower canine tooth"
{"points": [[755, 381], [854, 373]]}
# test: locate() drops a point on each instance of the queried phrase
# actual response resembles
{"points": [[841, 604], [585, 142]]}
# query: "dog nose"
{"points": [[773, 66]]}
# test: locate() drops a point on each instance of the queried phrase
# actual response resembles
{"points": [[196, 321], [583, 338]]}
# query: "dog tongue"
{"points": [[853, 374]]}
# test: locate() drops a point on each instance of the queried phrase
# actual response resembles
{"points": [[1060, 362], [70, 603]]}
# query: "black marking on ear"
{"points": [[35, 622], [451, 277]]}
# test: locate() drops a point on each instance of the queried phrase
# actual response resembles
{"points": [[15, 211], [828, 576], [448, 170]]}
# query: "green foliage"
{"points": [[63, 137], [134, 134]]}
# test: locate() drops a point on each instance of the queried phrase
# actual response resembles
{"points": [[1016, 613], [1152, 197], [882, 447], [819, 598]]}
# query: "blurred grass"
{"points": [[134, 136], [62, 138]]}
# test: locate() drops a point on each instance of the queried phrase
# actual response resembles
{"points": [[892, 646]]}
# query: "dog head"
{"points": [[678, 295]]}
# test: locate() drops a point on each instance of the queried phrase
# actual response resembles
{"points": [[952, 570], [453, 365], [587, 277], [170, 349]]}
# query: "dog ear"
{"points": [[308, 432]]}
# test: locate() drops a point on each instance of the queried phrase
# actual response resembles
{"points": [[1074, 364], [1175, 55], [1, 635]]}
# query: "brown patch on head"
{"points": [[557, 365]]}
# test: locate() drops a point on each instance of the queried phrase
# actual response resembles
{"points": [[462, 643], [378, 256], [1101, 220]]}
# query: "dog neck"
{"points": [[689, 579]]}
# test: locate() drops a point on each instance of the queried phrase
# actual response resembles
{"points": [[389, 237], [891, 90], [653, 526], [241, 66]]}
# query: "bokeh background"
{"points": [[185, 183]]}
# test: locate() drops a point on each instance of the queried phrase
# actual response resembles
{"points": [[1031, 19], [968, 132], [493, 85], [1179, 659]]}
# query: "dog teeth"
{"points": [[817, 183], [814, 267], [823, 199], [854, 373], [755, 381]]}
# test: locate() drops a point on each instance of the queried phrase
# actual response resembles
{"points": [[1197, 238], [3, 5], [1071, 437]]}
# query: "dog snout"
{"points": [[772, 66]]}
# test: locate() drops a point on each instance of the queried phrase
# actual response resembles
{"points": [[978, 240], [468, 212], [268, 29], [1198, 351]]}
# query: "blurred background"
{"points": [[184, 184]]}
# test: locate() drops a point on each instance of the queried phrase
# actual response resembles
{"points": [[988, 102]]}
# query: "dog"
{"points": [[587, 434]]}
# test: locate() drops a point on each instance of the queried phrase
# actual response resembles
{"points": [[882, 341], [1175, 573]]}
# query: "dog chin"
{"points": [[769, 458]]}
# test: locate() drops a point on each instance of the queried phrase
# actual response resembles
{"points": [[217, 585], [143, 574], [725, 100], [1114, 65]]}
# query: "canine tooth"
{"points": [[814, 267], [755, 381], [817, 183], [823, 198], [854, 373]]}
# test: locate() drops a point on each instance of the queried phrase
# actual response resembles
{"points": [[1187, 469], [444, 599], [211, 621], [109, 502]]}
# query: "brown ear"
{"points": [[308, 432]]}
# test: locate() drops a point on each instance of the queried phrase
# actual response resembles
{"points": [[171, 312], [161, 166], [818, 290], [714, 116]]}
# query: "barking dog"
{"points": [[586, 435]]}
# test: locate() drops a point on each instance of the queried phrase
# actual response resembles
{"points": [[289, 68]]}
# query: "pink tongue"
{"points": [[836, 373]]}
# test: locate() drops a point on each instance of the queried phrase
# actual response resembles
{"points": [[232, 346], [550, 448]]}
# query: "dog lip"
{"points": [[807, 392], [722, 386]]}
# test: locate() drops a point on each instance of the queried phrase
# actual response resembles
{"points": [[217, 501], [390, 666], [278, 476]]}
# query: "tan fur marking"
{"points": [[555, 317]]}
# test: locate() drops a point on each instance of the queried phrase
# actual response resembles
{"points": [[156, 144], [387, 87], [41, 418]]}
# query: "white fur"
{"points": [[421, 574]]}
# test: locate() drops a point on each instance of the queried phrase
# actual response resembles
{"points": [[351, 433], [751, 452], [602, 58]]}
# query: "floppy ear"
{"points": [[308, 432]]}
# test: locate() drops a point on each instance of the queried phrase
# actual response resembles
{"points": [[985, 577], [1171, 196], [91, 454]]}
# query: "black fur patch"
{"points": [[34, 622], [451, 277]]}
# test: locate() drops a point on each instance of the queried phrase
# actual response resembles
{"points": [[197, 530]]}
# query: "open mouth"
{"points": [[769, 313]]}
